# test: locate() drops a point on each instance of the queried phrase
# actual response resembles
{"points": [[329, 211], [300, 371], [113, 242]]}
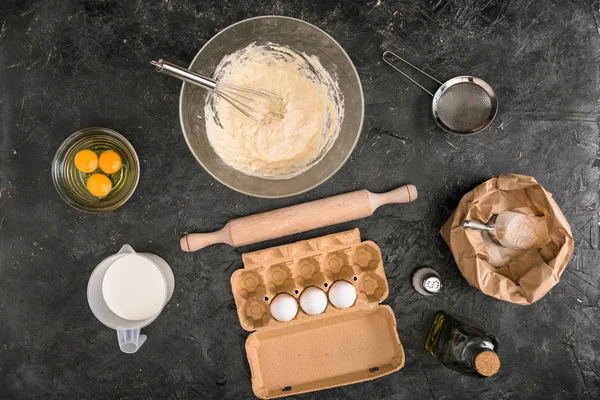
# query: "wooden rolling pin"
{"points": [[299, 218]]}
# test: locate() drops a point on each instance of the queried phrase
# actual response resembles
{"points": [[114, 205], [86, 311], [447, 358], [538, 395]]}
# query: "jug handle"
{"points": [[130, 340]]}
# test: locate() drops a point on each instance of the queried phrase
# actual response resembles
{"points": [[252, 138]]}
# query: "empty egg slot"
{"points": [[250, 283], [307, 272], [371, 288], [336, 266], [366, 257], [279, 279], [256, 312]]}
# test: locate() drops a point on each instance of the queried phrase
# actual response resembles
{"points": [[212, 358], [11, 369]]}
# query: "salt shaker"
{"points": [[426, 281]]}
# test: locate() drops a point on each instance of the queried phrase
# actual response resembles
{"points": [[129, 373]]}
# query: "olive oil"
{"points": [[462, 347]]}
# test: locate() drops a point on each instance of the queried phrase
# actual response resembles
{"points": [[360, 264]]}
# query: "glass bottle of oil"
{"points": [[463, 347]]}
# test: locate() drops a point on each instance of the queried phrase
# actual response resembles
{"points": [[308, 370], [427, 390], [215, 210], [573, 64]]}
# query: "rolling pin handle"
{"points": [[196, 241], [403, 194]]}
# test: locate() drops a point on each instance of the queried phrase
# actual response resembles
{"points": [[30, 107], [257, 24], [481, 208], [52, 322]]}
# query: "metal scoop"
{"points": [[490, 228], [463, 105]]}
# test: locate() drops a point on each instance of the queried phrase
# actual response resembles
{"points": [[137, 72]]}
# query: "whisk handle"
{"points": [[184, 74]]}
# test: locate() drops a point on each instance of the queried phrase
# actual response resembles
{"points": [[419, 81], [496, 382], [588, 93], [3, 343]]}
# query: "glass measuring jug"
{"points": [[116, 308]]}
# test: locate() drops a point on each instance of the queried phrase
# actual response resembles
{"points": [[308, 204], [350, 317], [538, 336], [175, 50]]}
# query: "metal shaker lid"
{"points": [[431, 283], [426, 281]]}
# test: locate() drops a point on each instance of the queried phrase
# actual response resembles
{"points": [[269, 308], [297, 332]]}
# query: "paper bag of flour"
{"points": [[529, 276]]}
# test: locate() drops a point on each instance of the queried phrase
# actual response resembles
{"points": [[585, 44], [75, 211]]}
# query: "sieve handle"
{"points": [[497, 123], [389, 54]]}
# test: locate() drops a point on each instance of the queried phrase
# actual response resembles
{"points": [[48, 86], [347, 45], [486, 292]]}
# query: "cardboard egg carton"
{"points": [[312, 352], [359, 264]]}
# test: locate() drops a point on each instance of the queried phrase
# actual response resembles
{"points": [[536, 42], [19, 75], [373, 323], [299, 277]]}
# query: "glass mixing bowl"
{"points": [[70, 183], [303, 37]]}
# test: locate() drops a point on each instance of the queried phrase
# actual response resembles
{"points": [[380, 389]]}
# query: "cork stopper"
{"points": [[487, 363]]}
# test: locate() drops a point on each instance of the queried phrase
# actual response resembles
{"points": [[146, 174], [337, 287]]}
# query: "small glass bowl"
{"points": [[70, 183]]}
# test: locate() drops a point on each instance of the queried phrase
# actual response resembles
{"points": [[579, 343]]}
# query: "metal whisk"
{"points": [[262, 106]]}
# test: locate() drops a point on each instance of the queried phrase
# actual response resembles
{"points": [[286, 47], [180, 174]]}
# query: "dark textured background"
{"points": [[65, 65]]}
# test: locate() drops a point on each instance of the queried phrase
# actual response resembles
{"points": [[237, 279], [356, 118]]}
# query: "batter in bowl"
{"points": [[314, 110]]}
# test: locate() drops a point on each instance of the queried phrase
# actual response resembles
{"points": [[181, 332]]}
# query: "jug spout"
{"points": [[130, 340], [126, 249]]}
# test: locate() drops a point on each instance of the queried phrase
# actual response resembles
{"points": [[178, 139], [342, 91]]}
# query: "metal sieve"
{"points": [[463, 105]]}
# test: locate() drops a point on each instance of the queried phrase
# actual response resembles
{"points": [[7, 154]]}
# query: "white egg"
{"points": [[284, 307], [342, 294], [313, 300]]}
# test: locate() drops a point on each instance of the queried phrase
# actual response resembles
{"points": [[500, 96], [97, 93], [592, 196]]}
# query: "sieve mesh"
{"points": [[464, 107]]}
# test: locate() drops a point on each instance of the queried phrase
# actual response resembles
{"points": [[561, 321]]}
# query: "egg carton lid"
{"points": [[327, 350]]}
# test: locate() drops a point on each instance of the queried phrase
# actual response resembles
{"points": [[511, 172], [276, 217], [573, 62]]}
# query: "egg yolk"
{"points": [[110, 162], [86, 161], [99, 185]]}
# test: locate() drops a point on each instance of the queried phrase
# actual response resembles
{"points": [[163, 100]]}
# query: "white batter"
{"points": [[314, 110]]}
